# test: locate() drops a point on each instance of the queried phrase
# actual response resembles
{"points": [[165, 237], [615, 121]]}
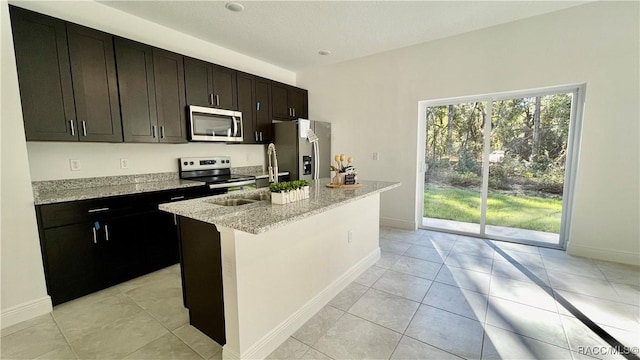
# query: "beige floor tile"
{"points": [[63, 353], [318, 325], [411, 349], [76, 319], [120, 338], [290, 349], [390, 311], [313, 354], [32, 341], [166, 347], [198, 341], [46, 318], [503, 344], [347, 297], [354, 338]]}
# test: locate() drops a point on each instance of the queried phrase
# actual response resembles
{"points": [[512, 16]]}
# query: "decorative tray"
{"points": [[354, 186]]}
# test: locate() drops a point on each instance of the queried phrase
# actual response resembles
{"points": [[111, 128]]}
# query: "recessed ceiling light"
{"points": [[234, 6], [324, 52]]}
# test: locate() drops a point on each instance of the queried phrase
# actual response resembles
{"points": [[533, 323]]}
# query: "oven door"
{"points": [[209, 124]]}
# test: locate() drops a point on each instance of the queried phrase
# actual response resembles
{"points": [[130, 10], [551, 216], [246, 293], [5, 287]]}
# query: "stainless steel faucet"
{"points": [[273, 170]]}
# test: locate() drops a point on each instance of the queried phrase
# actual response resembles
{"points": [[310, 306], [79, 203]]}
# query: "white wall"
{"points": [[373, 104], [23, 287], [24, 294], [49, 161]]}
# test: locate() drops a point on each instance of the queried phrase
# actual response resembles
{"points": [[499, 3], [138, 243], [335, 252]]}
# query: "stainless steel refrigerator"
{"points": [[294, 150]]}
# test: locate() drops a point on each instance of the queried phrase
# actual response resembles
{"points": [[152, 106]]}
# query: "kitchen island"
{"points": [[266, 269]]}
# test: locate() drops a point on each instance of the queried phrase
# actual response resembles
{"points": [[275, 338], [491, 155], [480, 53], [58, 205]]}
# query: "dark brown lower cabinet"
{"points": [[201, 267], [90, 245]]}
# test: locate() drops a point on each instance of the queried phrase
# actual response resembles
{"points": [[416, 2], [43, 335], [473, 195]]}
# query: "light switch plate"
{"points": [[124, 163]]}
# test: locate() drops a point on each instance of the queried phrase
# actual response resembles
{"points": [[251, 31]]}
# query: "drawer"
{"points": [[53, 215]]}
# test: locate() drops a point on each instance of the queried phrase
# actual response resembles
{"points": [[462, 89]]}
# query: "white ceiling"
{"points": [[289, 34]]}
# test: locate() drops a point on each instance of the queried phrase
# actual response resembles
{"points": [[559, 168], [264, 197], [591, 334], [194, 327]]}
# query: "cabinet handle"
{"points": [[175, 219], [95, 237], [211, 99], [162, 132], [290, 114], [106, 232], [98, 210], [73, 130], [84, 128], [217, 100], [255, 135], [294, 112], [260, 135], [177, 197], [258, 106], [153, 131]]}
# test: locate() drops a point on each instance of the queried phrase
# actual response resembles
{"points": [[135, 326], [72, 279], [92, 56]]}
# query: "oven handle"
{"points": [[231, 184]]}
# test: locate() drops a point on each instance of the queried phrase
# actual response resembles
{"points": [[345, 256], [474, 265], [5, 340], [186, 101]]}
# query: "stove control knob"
{"points": [[185, 163], [190, 162], [227, 161], [214, 162]]}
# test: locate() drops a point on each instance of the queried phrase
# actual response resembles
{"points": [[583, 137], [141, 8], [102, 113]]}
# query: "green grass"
{"points": [[523, 212]]}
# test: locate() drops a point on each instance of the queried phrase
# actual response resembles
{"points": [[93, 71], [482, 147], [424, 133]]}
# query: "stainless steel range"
{"points": [[215, 171]]}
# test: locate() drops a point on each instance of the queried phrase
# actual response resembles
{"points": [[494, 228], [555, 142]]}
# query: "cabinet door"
{"points": [[246, 105], [122, 248], [224, 88], [170, 96], [46, 92], [263, 110], [280, 102], [72, 262], [93, 71], [137, 91], [161, 243], [298, 102], [197, 76]]}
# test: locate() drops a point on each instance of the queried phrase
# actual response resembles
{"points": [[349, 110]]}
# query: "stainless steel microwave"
{"points": [[210, 124]]}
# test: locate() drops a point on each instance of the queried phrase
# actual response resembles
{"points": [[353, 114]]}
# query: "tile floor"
{"points": [[430, 296]]}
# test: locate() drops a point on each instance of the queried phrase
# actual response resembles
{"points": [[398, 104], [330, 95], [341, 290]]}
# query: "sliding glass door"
{"points": [[505, 178]]}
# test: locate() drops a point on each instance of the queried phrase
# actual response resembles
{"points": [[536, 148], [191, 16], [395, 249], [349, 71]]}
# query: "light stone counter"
{"points": [[55, 191], [262, 216]]}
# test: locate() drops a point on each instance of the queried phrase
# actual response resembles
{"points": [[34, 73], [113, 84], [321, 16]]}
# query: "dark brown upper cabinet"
{"points": [[254, 103], [171, 103], [44, 75], [288, 102], [210, 85], [151, 87], [95, 88]]}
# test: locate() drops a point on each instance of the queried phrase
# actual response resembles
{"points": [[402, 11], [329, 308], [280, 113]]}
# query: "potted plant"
{"points": [[289, 191]]}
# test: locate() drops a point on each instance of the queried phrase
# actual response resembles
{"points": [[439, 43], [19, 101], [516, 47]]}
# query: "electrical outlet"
{"points": [[349, 236], [124, 163], [74, 164], [375, 155]]}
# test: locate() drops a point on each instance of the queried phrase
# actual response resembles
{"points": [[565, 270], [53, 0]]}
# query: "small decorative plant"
{"points": [[289, 191], [342, 169], [288, 185]]}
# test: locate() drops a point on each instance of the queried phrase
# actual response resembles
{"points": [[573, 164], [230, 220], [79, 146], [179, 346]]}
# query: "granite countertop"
{"points": [[55, 191], [262, 216]]}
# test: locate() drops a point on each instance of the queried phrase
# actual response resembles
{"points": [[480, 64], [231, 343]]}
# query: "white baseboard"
{"points": [[604, 254], [398, 223], [25, 311], [279, 334]]}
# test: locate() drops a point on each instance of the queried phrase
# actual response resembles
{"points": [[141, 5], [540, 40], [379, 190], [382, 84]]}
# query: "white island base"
{"points": [[275, 281]]}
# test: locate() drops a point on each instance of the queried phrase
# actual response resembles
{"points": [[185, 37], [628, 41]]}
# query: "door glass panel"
{"points": [[212, 125], [453, 176], [529, 138]]}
